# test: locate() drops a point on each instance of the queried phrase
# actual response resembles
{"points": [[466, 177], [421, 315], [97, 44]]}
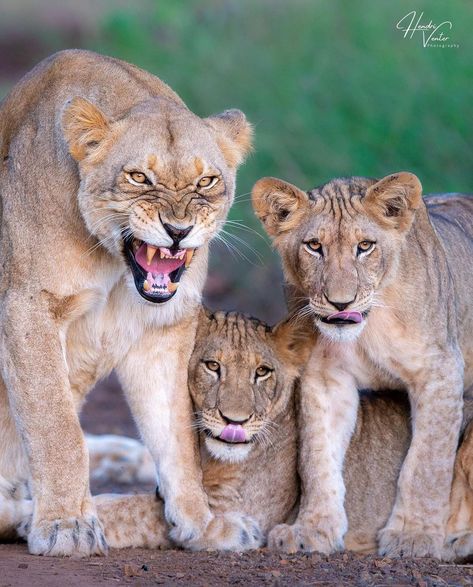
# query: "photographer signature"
{"points": [[433, 35]]}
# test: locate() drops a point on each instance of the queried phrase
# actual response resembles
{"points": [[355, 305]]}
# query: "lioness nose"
{"points": [[340, 305], [234, 419], [177, 234]]}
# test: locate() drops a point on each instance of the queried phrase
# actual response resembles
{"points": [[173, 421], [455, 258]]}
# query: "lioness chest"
{"points": [[98, 340]]}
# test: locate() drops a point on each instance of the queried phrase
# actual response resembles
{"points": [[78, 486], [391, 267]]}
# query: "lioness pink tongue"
{"points": [[351, 316], [158, 266], [233, 433]]}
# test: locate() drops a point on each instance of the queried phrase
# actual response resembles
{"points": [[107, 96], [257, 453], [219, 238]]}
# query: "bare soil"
{"points": [[107, 412]]}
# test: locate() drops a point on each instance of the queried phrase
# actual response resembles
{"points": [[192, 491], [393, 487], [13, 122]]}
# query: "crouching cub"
{"points": [[111, 190], [243, 381], [383, 273]]}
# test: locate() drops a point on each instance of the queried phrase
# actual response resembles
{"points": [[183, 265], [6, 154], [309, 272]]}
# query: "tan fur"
{"points": [[71, 132], [262, 484], [415, 294]]}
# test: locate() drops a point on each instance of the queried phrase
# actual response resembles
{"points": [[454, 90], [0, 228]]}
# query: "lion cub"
{"points": [[383, 273]]}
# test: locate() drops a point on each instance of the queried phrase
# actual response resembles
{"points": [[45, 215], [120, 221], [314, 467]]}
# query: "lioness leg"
{"points": [[418, 521], [35, 373], [154, 377]]}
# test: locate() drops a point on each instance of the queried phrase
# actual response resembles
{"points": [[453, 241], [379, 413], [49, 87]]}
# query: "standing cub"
{"points": [[383, 273]]}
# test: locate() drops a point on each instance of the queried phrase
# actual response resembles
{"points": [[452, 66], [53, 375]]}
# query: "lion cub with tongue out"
{"points": [[383, 272], [111, 189]]}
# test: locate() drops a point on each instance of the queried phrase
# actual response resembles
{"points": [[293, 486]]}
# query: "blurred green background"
{"points": [[331, 86]]}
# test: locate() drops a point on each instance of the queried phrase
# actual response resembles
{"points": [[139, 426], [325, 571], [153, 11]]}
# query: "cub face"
{"points": [[156, 185], [340, 243], [241, 378]]}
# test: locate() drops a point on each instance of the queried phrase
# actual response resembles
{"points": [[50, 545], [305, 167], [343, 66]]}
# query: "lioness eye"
{"points": [[365, 247], [313, 246], [207, 182], [263, 372], [212, 366], [138, 177]]}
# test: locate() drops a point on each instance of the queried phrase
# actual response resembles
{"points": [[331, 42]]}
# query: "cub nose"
{"points": [[340, 305], [234, 419], [177, 234]]}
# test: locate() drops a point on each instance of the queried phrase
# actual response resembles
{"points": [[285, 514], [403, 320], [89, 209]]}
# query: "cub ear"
{"points": [[294, 338], [394, 199], [84, 126], [234, 135], [276, 203]]}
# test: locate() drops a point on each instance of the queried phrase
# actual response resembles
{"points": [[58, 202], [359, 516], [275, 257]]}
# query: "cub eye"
{"points": [[314, 247], [263, 372], [365, 247], [137, 177], [212, 366], [207, 182]]}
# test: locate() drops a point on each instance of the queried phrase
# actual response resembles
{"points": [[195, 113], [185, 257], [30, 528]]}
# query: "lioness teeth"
{"points": [[146, 285], [150, 252], [189, 255], [172, 286]]}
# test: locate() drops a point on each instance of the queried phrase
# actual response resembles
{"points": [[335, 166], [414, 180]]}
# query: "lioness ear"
{"points": [[294, 340], [394, 199], [234, 135], [276, 203], [85, 127]]}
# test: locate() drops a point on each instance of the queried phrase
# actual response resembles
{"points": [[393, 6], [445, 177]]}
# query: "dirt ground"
{"points": [[107, 412]]}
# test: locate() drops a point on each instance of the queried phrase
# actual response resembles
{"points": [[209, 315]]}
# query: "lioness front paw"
{"points": [[396, 543], [322, 538], [229, 531], [66, 537]]}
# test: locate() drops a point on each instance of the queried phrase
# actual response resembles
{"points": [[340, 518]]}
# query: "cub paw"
{"points": [[229, 531], [396, 544], [458, 548], [305, 538], [66, 537]]}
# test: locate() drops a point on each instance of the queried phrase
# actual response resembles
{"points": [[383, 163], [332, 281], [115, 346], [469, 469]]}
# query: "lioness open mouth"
{"points": [[344, 318], [156, 270]]}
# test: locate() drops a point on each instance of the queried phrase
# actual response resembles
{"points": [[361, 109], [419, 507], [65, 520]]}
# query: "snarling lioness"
{"points": [[243, 381], [384, 274], [110, 192]]}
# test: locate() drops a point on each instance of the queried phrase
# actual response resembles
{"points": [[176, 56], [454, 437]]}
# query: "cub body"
{"points": [[382, 272]]}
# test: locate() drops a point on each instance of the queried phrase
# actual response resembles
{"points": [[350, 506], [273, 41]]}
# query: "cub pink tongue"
{"points": [[353, 316], [233, 433]]}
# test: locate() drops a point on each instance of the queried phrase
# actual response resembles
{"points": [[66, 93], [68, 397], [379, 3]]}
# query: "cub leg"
{"points": [[459, 543], [154, 377], [135, 521], [328, 409], [417, 523], [35, 373]]}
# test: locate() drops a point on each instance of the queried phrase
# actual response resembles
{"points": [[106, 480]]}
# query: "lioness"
{"points": [[242, 378], [110, 192], [383, 273]]}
